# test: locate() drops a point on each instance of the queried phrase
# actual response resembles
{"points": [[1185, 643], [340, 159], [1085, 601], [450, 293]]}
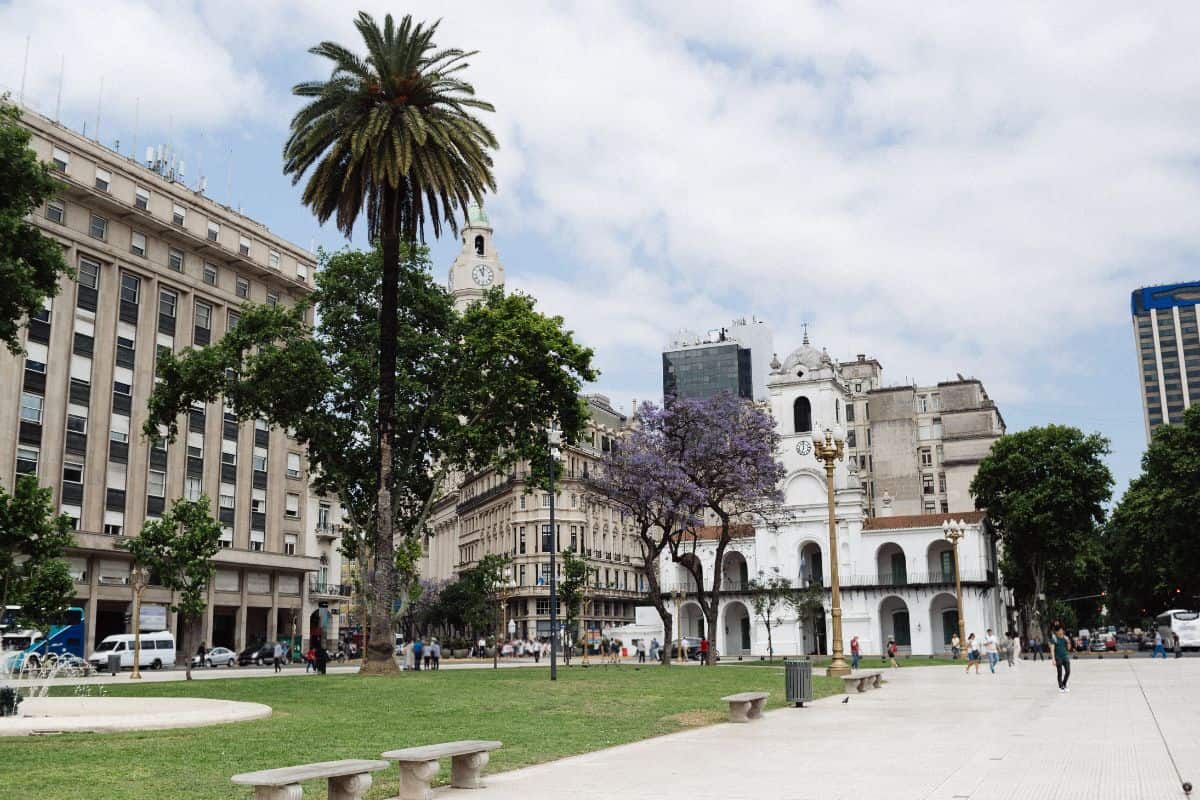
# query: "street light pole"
{"points": [[554, 437], [829, 451], [678, 594], [954, 531], [137, 577]]}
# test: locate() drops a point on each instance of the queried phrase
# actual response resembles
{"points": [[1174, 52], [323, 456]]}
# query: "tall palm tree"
{"points": [[393, 132]]}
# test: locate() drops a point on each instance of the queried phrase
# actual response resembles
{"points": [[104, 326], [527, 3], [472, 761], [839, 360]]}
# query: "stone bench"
{"points": [[348, 780], [746, 706], [419, 766], [862, 681]]}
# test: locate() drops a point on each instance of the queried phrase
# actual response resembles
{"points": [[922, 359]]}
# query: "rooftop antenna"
{"points": [[805, 326], [24, 68], [99, 104], [62, 68]]}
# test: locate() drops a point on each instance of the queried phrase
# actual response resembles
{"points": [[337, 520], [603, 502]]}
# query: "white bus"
{"points": [[157, 650], [1185, 623]]}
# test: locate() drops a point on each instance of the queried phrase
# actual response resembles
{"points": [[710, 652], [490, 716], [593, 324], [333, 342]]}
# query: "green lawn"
{"points": [[346, 716]]}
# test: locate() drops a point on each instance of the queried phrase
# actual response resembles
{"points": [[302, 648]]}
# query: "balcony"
{"points": [[323, 589], [328, 532], [892, 580]]}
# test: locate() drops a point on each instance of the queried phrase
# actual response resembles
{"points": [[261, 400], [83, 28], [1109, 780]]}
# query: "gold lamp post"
{"points": [[955, 531], [138, 576], [678, 595], [830, 451]]}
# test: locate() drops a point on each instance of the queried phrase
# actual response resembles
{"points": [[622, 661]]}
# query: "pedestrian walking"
{"points": [[654, 648], [435, 654], [955, 647], [972, 653], [704, 652], [1013, 648], [418, 647], [1062, 658], [1035, 648], [1175, 645], [854, 652], [310, 660], [202, 653], [991, 646], [1159, 648], [641, 651], [428, 655], [277, 657], [322, 657], [891, 652]]}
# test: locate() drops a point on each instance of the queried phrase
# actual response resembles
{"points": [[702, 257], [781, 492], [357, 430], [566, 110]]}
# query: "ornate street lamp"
{"points": [[955, 531], [138, 577], [830, 451], [554, 439], [678, 595], [504, 586]]}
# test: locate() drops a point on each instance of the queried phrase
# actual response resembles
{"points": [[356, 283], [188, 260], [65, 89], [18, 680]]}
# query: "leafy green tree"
{"points": [[771, 593], [1044, 490], [570, 592], [1151, 547], [30, 263], [392, 132], [179, 548], [473, 390], [33, 573]]}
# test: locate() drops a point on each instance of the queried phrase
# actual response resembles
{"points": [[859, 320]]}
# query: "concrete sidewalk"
{"points": [[932, 733]]}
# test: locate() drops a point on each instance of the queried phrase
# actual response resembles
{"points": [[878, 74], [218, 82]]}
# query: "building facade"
{"points": [[896, 570], [159, 267], [734, 359], [1166, 337]]}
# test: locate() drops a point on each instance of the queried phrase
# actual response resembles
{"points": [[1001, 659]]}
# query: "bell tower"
{"points": [[477, 267]]}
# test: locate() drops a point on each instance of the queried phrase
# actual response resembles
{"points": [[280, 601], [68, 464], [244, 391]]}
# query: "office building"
{"points": [[1168, 349], [159, 266], [734, 359]]}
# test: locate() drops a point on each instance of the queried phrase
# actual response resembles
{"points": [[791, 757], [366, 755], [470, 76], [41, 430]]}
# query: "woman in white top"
{"points": [[972, 653]]}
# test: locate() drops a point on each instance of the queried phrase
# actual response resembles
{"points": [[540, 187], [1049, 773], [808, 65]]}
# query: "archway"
{"points": [[735, 575], [940, 561], [802, 415], [891, 565], [894, 622], [690, 620], [736, 629], [812, 565], [943, 621]]}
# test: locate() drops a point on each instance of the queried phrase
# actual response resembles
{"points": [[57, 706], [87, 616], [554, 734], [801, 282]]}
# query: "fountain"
{"points": [[26, 688]]}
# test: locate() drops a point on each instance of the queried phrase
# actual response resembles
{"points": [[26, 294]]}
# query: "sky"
{"points": [[967, 188]]}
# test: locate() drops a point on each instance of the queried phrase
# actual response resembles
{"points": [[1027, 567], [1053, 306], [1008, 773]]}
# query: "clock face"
{"points": [[482, 274], [804, 447]]}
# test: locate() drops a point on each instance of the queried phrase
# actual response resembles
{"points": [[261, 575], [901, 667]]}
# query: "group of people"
{"points": [[888, 657], [430, 652], [520, 648], [1160, 645], [989, 645]]}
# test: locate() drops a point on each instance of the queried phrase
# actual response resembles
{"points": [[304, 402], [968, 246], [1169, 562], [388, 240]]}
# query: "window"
{"points": [[243, 245], [103, 179], [168, 301], [243, 287], [156, 484], [77, 418], [137, 244], [289, 544], [851, 439], [214, 231], [234, 319], [119, 429], [226, 539], [228, 452], [291, 508], [203, 315], [72, 472], [130, 288], [141, 198], [35, 357], [273, 259], [178, 214], [258, 501], [256, 540], [850, 412], [56, 210], [260, 459], [62, 159], [802, 415], [926, 484], [261, 425], [931, 508], [31, 408], [227, 494], [301, 272], [323, 516], [521, 540], [89, 273], [926, 457], [175, 259], [547, 539], [210, 274], [195, 444], [857, 388], [98, 227], [192, 487], [293, 465], [27, 460], [272, 298]]}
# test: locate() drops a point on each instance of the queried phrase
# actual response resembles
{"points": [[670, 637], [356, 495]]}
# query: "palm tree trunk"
{"points": [[378, 656]]}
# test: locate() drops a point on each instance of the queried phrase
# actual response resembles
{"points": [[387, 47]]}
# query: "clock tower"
{"points": [[477, 267]]}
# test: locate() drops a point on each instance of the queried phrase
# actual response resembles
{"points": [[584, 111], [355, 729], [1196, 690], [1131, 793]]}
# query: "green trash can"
{"points": [[798, 685]]}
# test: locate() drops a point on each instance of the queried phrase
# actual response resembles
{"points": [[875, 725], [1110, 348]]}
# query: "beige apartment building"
{"points": [[919, 446], [160, 266]]}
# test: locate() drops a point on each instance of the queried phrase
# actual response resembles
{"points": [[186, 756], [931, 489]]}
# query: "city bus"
{"points": [[1180, 621], [66, 637]]}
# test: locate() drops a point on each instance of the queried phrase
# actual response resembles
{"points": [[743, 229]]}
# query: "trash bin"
{"points": [[114, 663], [798, 680]]}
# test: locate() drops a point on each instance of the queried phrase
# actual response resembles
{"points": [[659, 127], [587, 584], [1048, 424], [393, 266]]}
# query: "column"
{"points": [[206, 628], [241, 613], [273, 620], [89, 627]]}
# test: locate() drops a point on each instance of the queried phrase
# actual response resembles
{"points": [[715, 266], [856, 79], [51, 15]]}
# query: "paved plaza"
{"points": [[932, 733]]}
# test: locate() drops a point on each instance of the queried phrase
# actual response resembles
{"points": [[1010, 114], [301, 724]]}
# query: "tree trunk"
{"points": [[663, 614], [770, 643], [185, 642], [712, 609], [377, 659]]}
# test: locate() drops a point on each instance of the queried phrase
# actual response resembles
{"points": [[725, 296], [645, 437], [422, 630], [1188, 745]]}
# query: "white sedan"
{"points": [[217, 657]]}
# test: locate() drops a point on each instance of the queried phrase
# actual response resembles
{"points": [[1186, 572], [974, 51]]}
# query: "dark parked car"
{"points": [[690, 646], [258, 654]]}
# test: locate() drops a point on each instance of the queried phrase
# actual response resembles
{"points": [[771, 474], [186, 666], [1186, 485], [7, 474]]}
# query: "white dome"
{"points": [[806, 358]]}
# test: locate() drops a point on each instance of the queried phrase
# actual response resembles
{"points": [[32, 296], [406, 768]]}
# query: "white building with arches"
{"points": [[896, 572]]}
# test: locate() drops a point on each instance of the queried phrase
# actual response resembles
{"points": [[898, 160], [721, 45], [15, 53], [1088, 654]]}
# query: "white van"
{"points": [[157, 650]]}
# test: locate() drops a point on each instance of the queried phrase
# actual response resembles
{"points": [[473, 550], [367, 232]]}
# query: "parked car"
{"points": [[691, 646], [217, 657], [257, 654]]}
